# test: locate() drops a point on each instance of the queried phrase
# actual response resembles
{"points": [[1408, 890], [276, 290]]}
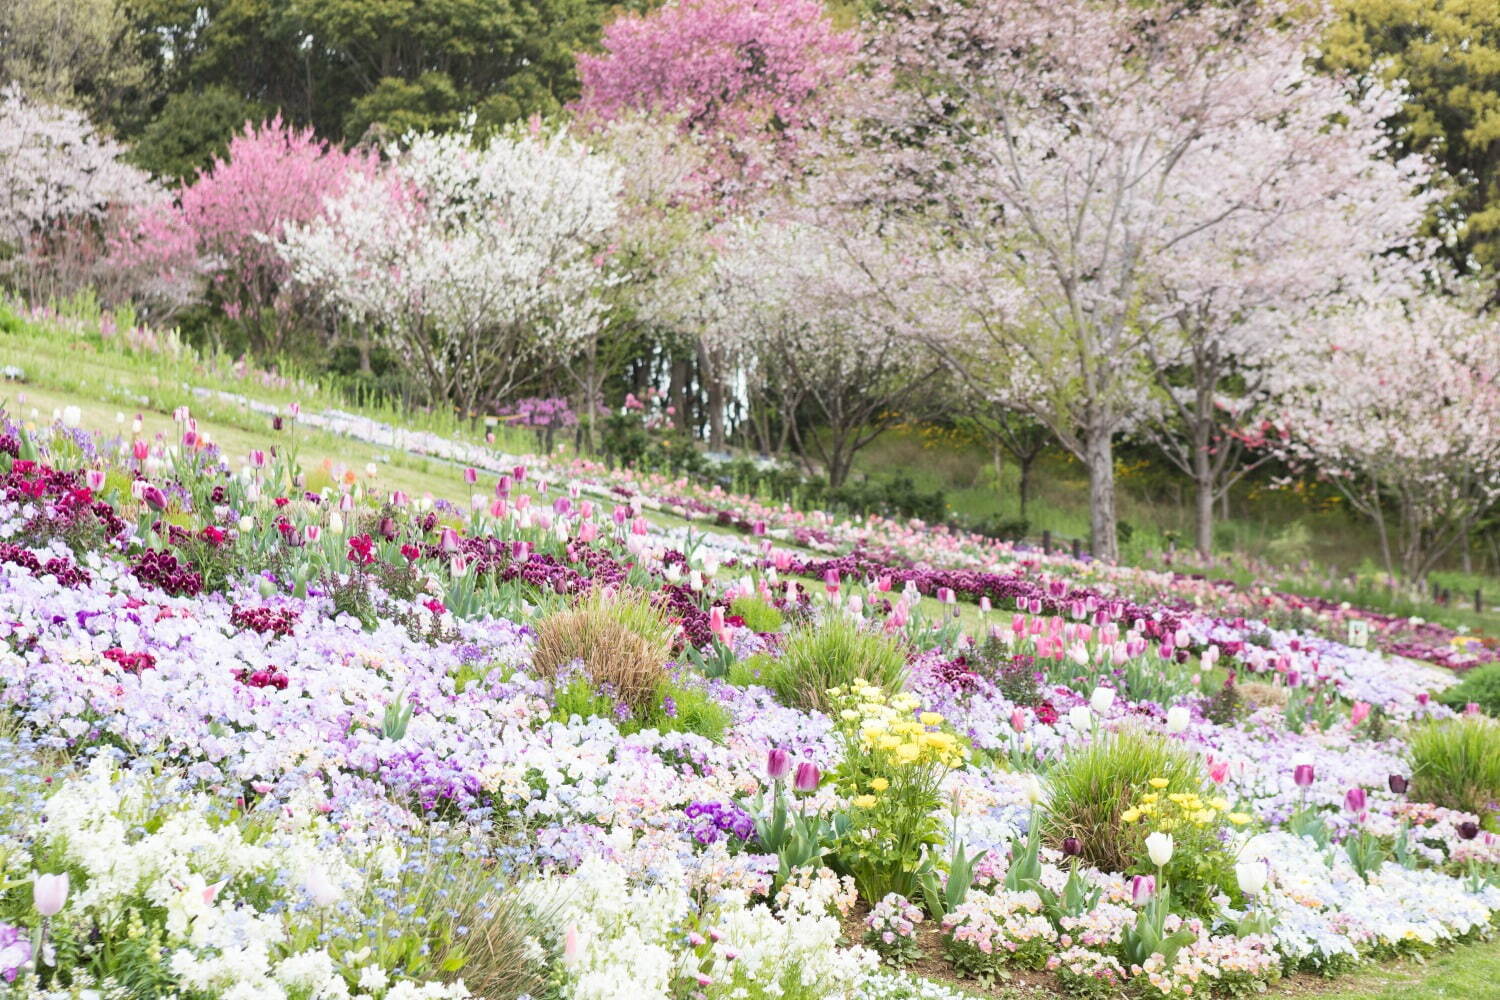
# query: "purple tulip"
{"points": [[1468, 829], [1303, 775], [1142, 888], [1398, 784], [154, 498], [1354, 800], [778, 764], [1072, 846], [807, 777]]}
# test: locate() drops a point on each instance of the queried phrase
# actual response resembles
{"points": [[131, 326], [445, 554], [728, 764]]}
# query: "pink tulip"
{"points": [[1142, 888], [1423, 698], [831, 581], [94, 479], [1219, 771], [1018, 720], [1303, 775], [1359, 713], [448, 540], [807, 777], [1354, 800], [778, 764]]}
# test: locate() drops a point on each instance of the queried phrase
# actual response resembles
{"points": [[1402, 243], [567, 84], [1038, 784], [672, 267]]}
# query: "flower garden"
{"points": [[547, 741]]}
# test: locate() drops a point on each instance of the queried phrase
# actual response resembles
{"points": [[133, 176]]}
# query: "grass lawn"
{"points": [[1466, 972]]}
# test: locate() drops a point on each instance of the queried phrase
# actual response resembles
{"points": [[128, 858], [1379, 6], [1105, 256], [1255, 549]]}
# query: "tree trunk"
{"points": [[1203, 495], [1099, 458], [1023, 488], [678, 391]]}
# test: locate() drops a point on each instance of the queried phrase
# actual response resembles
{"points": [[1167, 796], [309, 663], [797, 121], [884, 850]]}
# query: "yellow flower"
{"points": [[930, 718], [1130, 815], [1239, 819], [879, 784], [888, 742], [1219, 802], [865, 802], [1180, 798], [907, 753], [1159, 782], [1149, 798], [1203, 817]]}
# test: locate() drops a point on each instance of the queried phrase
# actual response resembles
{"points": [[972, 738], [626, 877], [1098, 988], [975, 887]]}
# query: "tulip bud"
{"points": [[807, 777], [1072, 846], [1102, 699], [1468, 829], [1178, 718], [1398, 784], [1303, 775], [1251, 876], [320, 889], [1142, 888], [778, 764], [1354, 800]]}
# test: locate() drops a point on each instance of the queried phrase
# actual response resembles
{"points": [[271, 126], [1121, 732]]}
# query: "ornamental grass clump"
{"points": [[1092, 787], [1456, 763], [622, 639], [834, 654]]}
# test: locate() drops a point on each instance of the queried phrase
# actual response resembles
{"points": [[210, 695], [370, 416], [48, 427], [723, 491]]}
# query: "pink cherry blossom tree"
{"points": [[227, 220], [1052, 149], [1401, 412], [749, 75]]}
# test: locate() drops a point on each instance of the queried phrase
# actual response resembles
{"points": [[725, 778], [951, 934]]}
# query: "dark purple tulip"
{"points": [[1303, 775], [154, 498], [1072, 846], [807, 777], [1468, 829], [276, 423], [778, 764], [1398, 784], [388, 528], [1354, 800]]}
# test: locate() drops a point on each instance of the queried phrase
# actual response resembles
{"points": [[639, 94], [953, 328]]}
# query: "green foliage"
{"points": [[758, 615], [1445, 54], [831, 654], [1456, 763], [674, 708], [1092, 786], [193, 128], [1480, 686]]}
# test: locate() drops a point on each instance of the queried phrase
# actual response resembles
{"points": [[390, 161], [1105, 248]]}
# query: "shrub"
{"points": [[1480, 686], [757, 614], [1456, 763], [1092, 786], [623, 640], [832, 654], [672, 708], [1014, 675]]}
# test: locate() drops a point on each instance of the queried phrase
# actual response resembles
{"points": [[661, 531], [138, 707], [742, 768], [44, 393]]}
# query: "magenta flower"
{"points": [[1303, 775], [778, 764], [807, 777]]}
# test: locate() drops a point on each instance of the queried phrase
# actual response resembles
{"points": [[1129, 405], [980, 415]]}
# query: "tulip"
{"points": [[1468, 829], [807, 777], [50, 892], [448, 540], [1079, 717], [1251, 876], [1302, 774], [1142, 888], [1423, 698], [1397, 783], [1101, 699], [1159, 847], [1354, 800], [1177, 719], [1359, 712], [154, 498], [94, 479], [1072, 846], [471, 475], [1018, 720], [312, 533], [1217, 772], [72, 417], [778, 764]]}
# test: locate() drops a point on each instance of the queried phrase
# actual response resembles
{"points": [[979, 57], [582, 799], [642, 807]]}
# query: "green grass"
{"points": [[1469, 971]]}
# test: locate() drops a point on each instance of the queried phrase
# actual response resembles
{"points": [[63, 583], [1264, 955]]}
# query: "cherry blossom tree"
{"points": [[475, 263], [1401, 412], [747, 80], [227, 220], [61, 184], [1052, 148], [1316, 213], [819, 331]]}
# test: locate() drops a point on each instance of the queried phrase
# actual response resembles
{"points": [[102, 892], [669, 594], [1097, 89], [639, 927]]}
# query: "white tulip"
{"points": [[72, 416], [1251, 876], [1177, 719], [1080, 717], [1101, 699], [335, 522], [320, 887], [247, 524], [1159, 847]]}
